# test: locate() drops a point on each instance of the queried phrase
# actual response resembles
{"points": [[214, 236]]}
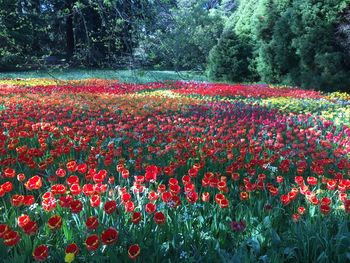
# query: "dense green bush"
{"points": [[230, 58], [295, 42]]}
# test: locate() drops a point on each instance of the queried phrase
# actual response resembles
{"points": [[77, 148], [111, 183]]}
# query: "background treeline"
{"points": [[294, 42]]}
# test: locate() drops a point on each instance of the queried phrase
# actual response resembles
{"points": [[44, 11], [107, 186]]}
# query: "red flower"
{"points": [[301, 210], [28, 200], [76, 206], [95, 200], [284, 165], [23, 220], [224, 203], [34, 183], [161, 188], [153, 196], [150, 208], [88, 189], [7, 187], [219, 198], [61, 172], [4, 229], [30, 228], [21, 177], [49, 204], [205, 197], [73, 179], [311, 180], [92, 223], [110, 206], [58, 189], [65, 201], [75, 189], [82, 168], [92, 242], [296, 217], [125, 173], [331, 184], [159, 218], [72, 248], [192, 197], [55, 222], [244, 196], [41, 253], [325, 209], [11, 238], [299, 180], [72, 166], [126, 197], [134, 251], [17, 200], [129, 206], [285, 199], [279, 179], [136, 217], [9, 173], [109, 236]]}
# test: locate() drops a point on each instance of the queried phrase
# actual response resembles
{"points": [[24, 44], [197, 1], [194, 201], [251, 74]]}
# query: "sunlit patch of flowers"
{"points": [[114, 170]]}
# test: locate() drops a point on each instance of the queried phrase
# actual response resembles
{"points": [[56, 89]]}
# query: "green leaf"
{"points": [[275, 238]]}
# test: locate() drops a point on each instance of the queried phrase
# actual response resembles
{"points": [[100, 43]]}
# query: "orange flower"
{"points": [[244, 196]]}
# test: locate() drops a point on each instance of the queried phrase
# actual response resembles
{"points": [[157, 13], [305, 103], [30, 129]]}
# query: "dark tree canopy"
{"points": [[293, 42]]}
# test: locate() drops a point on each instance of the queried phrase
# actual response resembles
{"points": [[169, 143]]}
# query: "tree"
{"points": [[230, 59]]}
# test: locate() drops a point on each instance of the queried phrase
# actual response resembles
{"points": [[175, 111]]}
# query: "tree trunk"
{"points": [[69, 31]]}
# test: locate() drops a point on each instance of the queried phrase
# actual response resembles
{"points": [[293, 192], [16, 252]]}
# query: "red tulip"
{"points": [[134, 251], [110, 206], [150, 208], [41, 253], [72, 248], [92, 223], [136, 217], [109, 236], [55, 222], [92, 242], [159, 218], [11, 238]]}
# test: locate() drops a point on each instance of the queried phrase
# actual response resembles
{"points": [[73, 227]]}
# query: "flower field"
{"points": [[101, 171]]}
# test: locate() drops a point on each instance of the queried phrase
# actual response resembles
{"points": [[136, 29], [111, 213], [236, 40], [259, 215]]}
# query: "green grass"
{"points": [[135, 76]]}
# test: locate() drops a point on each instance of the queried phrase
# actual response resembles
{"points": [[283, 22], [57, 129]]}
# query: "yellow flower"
{"points": [[69, 257]]}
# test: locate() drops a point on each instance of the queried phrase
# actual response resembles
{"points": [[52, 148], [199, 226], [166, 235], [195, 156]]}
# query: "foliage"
{"points": [[230, 58], [295, 42]]}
